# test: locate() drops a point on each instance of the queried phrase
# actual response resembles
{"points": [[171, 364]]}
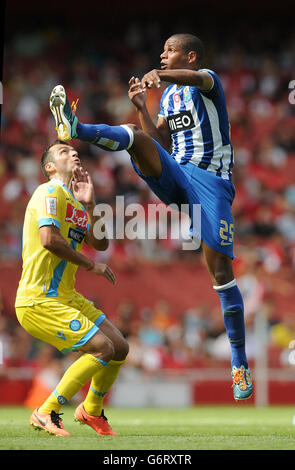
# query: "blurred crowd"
{"points": [[256, 73]]}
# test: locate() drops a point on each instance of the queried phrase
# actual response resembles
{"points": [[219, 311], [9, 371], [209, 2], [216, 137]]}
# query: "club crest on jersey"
{"points": [[76, 216], [187, 96]]}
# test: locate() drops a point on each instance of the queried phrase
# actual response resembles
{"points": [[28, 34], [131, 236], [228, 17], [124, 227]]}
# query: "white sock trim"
{"points": [[226, 286], [131, 135]]}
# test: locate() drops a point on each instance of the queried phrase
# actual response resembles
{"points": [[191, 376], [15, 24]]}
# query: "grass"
{"points": [[200, 428]]}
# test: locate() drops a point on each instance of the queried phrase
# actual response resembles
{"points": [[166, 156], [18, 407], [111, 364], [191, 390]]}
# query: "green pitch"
{"points": [[237, 427]]}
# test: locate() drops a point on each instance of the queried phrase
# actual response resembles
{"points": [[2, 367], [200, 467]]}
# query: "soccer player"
{"points": [[58, 220], [186, 158]]}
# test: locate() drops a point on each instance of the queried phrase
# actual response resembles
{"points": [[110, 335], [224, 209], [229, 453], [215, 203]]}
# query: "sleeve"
{"points": [[162, 112], [49, 205], [216, 87]]}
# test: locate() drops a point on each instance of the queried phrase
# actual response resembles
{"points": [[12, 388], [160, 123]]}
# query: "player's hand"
{"points": [[104, 270], [137, 93], [151, 79], [82, 186]]}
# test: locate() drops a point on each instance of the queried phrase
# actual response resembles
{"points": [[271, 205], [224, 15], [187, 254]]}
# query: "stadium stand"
{"points": [[181, 328]]}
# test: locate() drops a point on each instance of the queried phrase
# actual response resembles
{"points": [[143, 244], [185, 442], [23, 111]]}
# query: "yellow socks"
{"points": [[80, 372], [100, 385], [77, 375]]}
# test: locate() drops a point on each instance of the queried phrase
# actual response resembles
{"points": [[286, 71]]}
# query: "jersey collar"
{"points": [[64, 186]]}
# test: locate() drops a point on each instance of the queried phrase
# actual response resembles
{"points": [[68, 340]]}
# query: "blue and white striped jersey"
{"points": [[199, 126]]}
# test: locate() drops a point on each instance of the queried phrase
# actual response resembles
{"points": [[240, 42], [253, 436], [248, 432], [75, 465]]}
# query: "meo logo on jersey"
{"points": [[180, 122], [76, 216]]}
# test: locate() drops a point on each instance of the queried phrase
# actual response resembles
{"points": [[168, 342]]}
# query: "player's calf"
{"points": [[144, 153]]}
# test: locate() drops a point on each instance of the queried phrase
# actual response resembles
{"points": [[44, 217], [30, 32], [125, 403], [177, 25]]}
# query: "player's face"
{"points": [[65, 159], [173, 56]]}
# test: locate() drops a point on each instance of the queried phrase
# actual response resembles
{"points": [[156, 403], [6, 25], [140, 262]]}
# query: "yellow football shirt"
{"points": [[44, 275]]}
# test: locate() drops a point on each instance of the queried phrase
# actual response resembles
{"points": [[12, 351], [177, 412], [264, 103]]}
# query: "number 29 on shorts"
{"points": [[226, 232]]}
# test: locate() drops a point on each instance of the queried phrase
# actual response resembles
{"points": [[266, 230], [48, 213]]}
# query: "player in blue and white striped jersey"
{"points": [[199, 126], [186, 158]]}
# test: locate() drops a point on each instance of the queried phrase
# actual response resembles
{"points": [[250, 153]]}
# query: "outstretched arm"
{"points": [[159, 132], [201, 79]]}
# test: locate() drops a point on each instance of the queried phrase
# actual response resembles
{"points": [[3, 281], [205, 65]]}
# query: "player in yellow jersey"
{"points": [[59, 219]]}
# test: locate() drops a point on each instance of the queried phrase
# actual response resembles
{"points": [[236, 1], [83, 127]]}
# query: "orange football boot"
{"points": [[98, 423], [50, 422]]}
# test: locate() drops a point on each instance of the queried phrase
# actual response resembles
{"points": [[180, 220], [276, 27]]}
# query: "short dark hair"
{"points": [[190, 42], [47, 156]]}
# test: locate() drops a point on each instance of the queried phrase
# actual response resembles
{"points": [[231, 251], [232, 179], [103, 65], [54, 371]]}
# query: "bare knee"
{"points": [[223, 272], [121, 350], [219, 266], [100, 346], [120, 343], [133, 127], [107, 352], [144, 153], [222, 277]]}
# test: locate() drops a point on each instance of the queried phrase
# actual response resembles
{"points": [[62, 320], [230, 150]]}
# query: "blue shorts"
{"points": [[189, 184]]}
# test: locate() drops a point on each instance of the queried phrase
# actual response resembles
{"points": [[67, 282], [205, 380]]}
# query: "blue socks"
{"points": [[110, 138], [233, 314]]}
